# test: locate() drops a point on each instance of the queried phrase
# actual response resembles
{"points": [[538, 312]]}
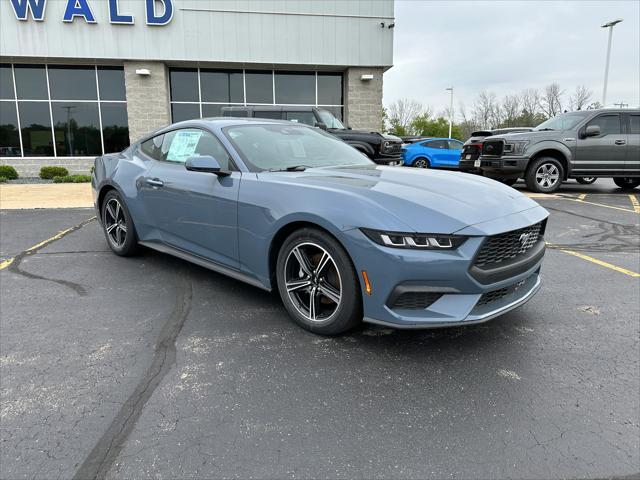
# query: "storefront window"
{"points": [[259, 86], [329, 89], [184, 85], [222, 86], [184, 111], [82, 107], [295, 88]]}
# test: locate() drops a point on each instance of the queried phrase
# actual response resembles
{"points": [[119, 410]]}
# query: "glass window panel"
{"points": [[184, 111], [31, 82], [77, 128], [259, 87], [609, 124], [153, 147], [72, 83], [115, 126], [111, 83], [634, 124], [9, 135], [330, 89], [222, 86], [297, 88], [307, 118], [337, 111], [212, 110], [184, 85], [6, 82], [36, 129]]}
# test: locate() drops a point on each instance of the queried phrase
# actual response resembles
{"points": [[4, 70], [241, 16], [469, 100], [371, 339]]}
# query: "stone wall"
{"points": [[30, 166], [363, 99], [147, 98]]}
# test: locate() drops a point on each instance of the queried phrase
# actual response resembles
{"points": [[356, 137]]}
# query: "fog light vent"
{"points": [[415, 300]]}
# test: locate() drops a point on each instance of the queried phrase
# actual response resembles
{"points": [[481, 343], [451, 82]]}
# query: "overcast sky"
{"points": [[506, 46]]}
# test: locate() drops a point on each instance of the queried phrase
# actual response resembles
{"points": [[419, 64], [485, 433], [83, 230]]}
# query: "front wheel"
{"points": [[626, 183], [586, 180], [118, 226], [318, 284], [421, 163], [544, 175]]}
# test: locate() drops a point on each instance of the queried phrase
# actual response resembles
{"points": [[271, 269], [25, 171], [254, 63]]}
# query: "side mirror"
{"points": [[205, 163], [321, 125], [592, 131]]}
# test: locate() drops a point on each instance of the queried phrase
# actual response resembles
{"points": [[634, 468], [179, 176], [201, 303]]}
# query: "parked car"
{"points": [[472, 148], [291, 208], [381, 148], [433, 153], [582, 144]]}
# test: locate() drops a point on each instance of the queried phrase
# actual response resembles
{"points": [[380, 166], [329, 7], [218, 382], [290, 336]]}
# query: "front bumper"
{"points": [[503, 167], [390, 161], [459, 297], [468, 166]]}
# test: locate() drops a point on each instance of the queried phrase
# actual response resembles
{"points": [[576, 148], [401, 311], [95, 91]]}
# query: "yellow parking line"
{"points": [[601, 263], [600, 205], [5, 263], [634, 202], [582, 196]]}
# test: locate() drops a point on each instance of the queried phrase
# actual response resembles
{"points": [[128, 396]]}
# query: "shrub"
{"points": [[71, 179], [8, 172], [3, 179], [48, 173]]}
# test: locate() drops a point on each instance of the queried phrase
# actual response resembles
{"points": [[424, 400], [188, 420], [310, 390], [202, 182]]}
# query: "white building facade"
{"points": [[79, 78]]}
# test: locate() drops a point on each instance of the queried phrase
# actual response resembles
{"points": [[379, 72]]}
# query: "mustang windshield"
{"points": [[280, 147]]}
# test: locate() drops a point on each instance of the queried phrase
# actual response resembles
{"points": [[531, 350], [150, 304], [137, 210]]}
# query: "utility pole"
{"points": [[610, 26], [450, 89]]}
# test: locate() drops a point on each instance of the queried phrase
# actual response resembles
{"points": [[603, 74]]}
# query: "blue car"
{"points": [[433, 153], [289, 208]]}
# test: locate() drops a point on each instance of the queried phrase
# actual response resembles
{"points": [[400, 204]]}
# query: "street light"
{"points": [[450, 89], [610, 26]]}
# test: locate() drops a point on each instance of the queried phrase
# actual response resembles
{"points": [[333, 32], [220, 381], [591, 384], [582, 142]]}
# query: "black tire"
{"points": [[509, 181], [421, 162], [586, 180], [122, 241], [626, 183], [535, 179], [331, 317]]}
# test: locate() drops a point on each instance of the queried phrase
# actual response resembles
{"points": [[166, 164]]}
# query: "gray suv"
{"points": [[589, 143]]}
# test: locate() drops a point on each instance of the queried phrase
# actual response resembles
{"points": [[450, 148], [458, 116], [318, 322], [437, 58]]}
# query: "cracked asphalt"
{"points": [[151, 367]]}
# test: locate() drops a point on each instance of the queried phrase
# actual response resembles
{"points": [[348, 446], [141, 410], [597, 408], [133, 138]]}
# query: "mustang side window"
{"points": [[179, 145], [152, 147]]}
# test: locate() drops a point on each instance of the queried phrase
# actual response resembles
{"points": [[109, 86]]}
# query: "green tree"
{"points": [[435, 127]]}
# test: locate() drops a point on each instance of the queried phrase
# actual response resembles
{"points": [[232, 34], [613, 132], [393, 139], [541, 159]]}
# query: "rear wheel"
{"points": [[586, 180], [421, 162], [118, 226], [544, 175], [318, 284], [626, 183]]}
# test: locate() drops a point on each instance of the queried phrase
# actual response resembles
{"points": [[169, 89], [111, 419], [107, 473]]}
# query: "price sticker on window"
{"points": [[183, 145]]}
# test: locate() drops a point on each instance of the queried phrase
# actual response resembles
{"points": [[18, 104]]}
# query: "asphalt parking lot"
{"points": [[152, 367]]}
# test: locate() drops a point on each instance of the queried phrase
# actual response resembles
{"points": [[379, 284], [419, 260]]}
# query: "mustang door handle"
{"points": [[621, 142], [155, 182]]}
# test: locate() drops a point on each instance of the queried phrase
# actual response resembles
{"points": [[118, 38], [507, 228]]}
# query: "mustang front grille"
{"points": [[506, 246]]}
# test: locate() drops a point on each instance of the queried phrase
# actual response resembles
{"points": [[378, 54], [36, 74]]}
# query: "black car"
{"points": [[472, 148], [382, 149]]}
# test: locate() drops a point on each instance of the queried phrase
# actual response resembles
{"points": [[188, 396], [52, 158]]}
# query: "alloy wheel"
{"points": [[420, 163], [547, 175], [115, 223], [313, 282]]}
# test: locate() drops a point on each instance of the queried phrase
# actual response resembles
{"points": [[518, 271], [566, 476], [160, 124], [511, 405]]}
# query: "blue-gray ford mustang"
{"points": [[289, 207]]}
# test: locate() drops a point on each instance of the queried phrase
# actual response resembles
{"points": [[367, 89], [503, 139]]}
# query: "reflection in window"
{"points": [[9, 135], [215, 110], [36, 129], [295, 88], [111, 82], [259, 87], [115, 126], [77, 128], [184, 85], [222, 86], [184, 111], [329, 89], [31, 82], [6, 82], [72, 83]]}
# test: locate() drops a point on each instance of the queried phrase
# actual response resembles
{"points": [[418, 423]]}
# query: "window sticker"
{"points": [[183, 145]]}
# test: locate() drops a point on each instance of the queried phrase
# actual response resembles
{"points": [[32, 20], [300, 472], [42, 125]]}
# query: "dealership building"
{"points": [[79, 78]]}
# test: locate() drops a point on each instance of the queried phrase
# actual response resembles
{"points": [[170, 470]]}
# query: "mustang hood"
{"points": [[427, 201]]}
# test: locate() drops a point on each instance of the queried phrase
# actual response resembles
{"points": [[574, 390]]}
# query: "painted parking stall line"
{"points": [[634, 202]]}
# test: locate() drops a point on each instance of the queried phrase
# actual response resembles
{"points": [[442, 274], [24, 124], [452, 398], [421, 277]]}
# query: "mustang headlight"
{"points": [[515, 148], [421, 241]]}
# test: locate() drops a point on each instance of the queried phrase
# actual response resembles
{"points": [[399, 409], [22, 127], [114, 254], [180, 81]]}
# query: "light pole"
{"points": [[610, 26], [450, 89]]}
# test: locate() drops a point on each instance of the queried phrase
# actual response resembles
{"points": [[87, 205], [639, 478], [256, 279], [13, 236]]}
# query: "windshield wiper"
{"points": [[293, 168], [546, 130]]}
